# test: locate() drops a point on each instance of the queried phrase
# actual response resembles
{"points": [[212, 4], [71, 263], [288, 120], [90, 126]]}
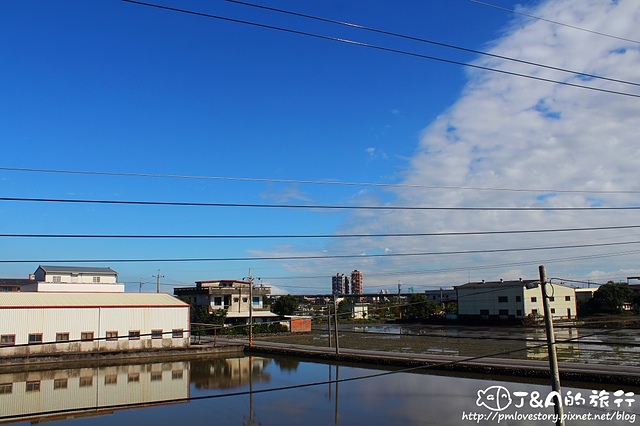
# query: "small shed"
{"points": [[299, 323]]}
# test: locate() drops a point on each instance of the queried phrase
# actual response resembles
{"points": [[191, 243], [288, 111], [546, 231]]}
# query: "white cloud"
{"points": [[518, 133]]}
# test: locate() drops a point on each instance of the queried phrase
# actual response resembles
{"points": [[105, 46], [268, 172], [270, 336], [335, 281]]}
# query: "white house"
{"points": [[232, 295], [57, 279], [513, 300]]}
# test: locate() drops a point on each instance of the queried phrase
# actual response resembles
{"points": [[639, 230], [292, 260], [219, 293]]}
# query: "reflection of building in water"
{"points": [[48, 395], [569, 351], [229, 373]]}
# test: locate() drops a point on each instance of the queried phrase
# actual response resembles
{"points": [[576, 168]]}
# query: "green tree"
{"points": [[419, 307], [285, 305], [611, 297]]}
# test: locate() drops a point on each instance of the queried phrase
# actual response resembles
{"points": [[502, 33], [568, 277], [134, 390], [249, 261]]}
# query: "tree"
{"points": [[419, 307], [611, 297], [285, 305]]}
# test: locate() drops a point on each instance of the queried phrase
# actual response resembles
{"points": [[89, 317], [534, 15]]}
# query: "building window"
{"points": [[156, 334], [35, 338], [235, 300], [133, 378], [96, 280], [111, 379], [86, 336], [86, 381], [156, 376], [503, 299], [134, 334], [33, 386], [60, 384], [217, 301], [7, 340], [503, 312], [112, 335], [6, 388], [177, 333], [56, 279], [484, 312], [245, 299], [256, 300], [567, 298], [62, 337], [518, 298], [534, 299], [553, 310], [552, 299], [176, 375], [534, 311]]}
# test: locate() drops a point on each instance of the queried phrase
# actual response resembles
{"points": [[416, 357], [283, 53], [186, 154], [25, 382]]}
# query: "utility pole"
{"points": [[551, 348], [329, 322], [158, 280], [250, 279], [335, 307]]}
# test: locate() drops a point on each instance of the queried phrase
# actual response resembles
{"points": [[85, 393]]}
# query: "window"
{"points": [[134, 334], [534, 311], [552, 299], [35, 338], [235, 300], [503, 299], [156, 376], [518, 298], [176, 333], [33, 386], [217, 301], [534, 299], [553, 310], [256, 300], [156, 334], [62, 337], [6, 388], [60, 384], [56, 279], [176, 375], [86, 381], [484, 312], [111, 379], [7, 340], [503, 312], [245, 299], [86, 336], [567, 298], [133, 378], [112, 335], [96, 279]]}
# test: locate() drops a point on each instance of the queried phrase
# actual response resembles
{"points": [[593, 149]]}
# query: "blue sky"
{"points": [[128, 90]]}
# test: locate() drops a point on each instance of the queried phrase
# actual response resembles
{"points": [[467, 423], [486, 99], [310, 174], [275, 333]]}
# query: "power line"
{"points": [[292, 236], [315, 182], [324, 257], [382, 48], [553, 22], [304, 206], [432, 42]]}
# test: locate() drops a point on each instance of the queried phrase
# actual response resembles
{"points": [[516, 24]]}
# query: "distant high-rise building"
{"points": [[356, 282], [338, 284]]}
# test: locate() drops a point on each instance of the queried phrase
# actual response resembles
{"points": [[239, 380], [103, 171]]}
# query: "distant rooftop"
{"points": [[77, 269]]}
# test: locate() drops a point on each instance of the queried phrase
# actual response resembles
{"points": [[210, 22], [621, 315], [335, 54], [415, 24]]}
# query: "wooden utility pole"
{"points": [[335, 316], [551, 348]]}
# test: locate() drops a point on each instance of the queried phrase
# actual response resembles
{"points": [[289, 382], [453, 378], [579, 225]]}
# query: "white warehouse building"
{"points": [[513, 300], [39, 322]]}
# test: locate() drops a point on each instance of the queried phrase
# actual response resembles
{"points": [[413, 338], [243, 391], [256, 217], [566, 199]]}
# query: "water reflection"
{"points": [[255, 391]]}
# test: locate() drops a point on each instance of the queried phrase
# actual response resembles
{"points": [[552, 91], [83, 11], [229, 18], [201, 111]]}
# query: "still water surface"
{"points": [[282, 391]]}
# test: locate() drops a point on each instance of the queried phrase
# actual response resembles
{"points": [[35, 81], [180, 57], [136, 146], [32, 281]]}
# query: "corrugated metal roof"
{"points": [[79, 300], [245, 314], [78, 269]]}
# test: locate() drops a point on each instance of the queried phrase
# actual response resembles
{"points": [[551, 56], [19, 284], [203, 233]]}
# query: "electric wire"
{"points": [[314, 182], [308, 257], [382, 48], [553, 22], [306, 206], [427, 41], [309, 236]]}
